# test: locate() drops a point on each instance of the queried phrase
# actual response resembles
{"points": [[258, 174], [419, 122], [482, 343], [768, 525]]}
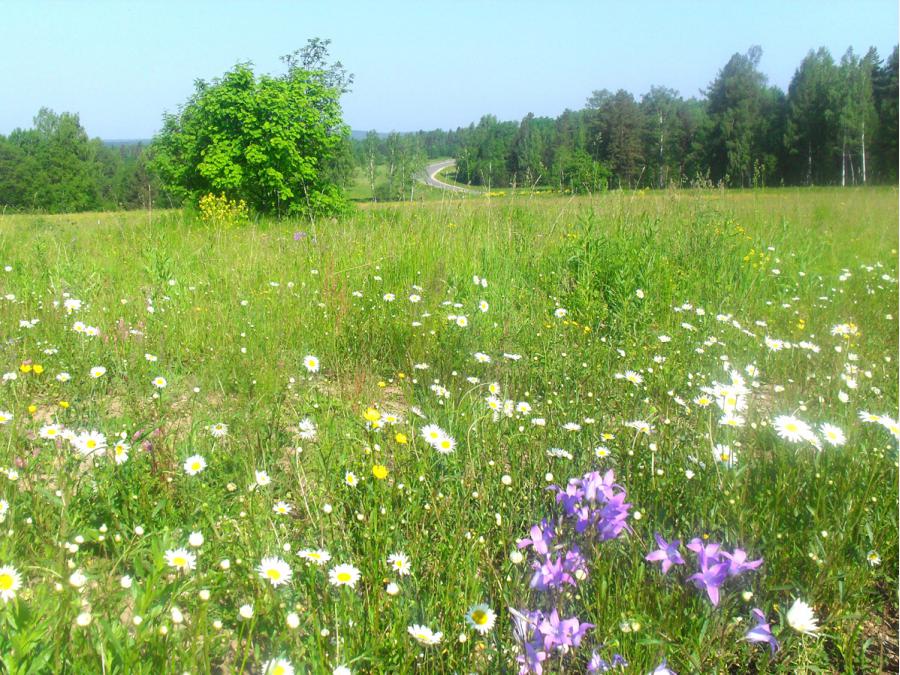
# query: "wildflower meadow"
{"points": [[630, 432]]}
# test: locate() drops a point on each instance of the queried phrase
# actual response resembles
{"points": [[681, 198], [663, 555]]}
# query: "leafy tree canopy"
{"points": [[273, 141]]}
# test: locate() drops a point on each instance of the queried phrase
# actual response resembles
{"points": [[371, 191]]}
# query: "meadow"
{"points": [[629, 432]]}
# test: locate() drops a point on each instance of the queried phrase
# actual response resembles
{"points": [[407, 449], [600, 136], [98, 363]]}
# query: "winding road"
{"points": [[432, 170]]}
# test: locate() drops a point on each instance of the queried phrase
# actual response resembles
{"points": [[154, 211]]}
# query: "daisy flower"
{"points": [[792, 429], [316, 556], [277, 667], [891, 425], [311, 363], [10, 582], [90, 443], [723, 454], [262, 478], [307, 429], [194, 465], [120, 452], [424, 635], [343, 575], [98, 371], [351, 479], [633, 377], [399, 562], [50, 431], [731, 419], [445, 444], [275, 570], [5, 417], [181, 559], [802, 619], [481, 618], [833, 435], [159, 382], [282, 508], [218, 430]]}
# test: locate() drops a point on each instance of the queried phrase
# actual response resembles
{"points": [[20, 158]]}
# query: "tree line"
{"points": [[55, 167], [835, 125], [280, 144]]}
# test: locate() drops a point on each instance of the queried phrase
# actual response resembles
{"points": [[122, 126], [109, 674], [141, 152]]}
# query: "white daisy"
{"points": [[802, 619], [481, 618], [343, 575], [275, 570], [194, 465], [424, 635]]}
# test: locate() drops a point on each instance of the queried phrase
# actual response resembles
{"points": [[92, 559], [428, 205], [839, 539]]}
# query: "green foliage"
{"points": [[278, 143], [55, 167]]}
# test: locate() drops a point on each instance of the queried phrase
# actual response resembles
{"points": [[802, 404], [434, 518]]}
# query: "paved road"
{"points": [[433, 169]]}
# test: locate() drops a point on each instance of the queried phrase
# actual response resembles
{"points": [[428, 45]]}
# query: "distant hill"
{"points": [[358, 135], [118, 142]]}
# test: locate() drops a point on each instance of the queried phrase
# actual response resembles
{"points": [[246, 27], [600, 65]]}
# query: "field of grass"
{"points": [[175, 466]]}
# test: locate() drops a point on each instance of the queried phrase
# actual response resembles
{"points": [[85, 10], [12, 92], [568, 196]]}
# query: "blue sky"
{"points": [[418, 65]]}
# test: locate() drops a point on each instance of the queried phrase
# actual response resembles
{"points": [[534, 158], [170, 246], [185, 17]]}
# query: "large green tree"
{"points": [[885, 89], [741, 110], [812, 119], [274, 141]]}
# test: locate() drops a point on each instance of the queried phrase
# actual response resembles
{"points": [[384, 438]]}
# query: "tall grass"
{"points": [[230, 315]]}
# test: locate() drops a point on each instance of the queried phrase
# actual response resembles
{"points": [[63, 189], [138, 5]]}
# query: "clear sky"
{"points": [[418, 65]]}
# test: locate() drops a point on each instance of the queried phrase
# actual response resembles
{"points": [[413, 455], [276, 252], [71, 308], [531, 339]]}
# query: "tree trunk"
{"points": [[809, 163], [864, 152], [844, 162], [661, 143]]}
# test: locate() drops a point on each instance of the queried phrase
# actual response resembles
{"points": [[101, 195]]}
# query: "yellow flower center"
{"points": [[479, 617], [273, 574], [278, 670], [91, 444], [790, 426], [180, 561], [344, 577], [6, 582], [195, 466]]}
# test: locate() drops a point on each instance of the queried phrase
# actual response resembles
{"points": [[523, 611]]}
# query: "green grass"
{"points": [[234, 313]]}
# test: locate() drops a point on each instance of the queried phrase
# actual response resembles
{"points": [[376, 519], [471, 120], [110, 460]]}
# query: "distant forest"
{"points": [[837, 124]]}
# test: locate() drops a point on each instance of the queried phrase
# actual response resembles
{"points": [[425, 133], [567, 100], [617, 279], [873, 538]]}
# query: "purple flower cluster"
{"points": [[543, 634], [593, 509], [595, 502], [598, 664], [715, 565]]}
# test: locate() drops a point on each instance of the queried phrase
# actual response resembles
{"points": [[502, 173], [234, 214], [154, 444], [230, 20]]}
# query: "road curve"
{"points": [[432, 170]]}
